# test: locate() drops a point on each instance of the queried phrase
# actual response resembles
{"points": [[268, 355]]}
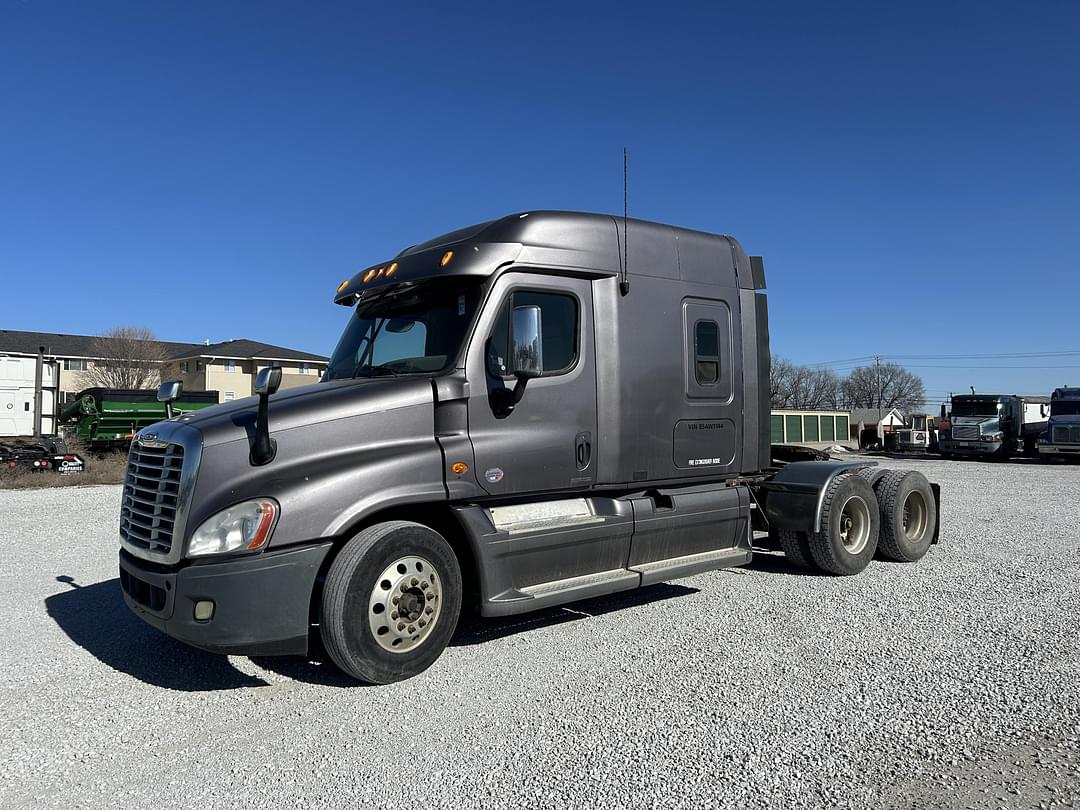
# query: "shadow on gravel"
{"points": [[774, 563], [96, 618]]}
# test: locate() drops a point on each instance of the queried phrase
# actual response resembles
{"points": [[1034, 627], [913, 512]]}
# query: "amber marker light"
{"points": [[446, 257], [459, 468], [343, 285], [391, 270], [370, 274]]}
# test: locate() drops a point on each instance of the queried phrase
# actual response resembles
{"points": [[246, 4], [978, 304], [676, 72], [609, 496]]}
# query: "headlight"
{"points": [[992, 437], [245, 526]]}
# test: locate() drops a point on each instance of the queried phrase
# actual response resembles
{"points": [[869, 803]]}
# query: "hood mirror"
{"points": [[263, 448], [168, 392], [267, 381]]}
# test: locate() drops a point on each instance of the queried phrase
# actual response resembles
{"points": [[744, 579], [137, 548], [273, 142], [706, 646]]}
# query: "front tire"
{"points": [[390, 602], [850, 523]]}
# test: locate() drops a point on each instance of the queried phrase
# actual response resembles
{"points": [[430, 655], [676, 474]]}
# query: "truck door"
{"points": [[546, 441]]}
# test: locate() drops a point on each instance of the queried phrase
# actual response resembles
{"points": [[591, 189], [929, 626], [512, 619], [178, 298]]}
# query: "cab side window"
{"points": [[558, 323]]}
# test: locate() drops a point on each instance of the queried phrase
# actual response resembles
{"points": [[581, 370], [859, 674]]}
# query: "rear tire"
{"points": [[796, 547], [908, 517], [850, 522], [391, 602]]}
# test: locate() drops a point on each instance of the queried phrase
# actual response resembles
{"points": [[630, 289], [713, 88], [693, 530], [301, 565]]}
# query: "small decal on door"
{"points": [[493, 476]]}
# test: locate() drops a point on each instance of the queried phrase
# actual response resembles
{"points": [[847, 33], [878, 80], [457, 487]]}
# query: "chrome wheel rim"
{"points": [[855, 525], [915, 516], [405, 604]]}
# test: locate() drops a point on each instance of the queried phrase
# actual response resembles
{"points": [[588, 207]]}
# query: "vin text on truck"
{"points": [[512, 419]]}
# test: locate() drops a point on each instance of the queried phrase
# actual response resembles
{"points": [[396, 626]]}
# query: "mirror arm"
{"points": [[263, 448], [507, 398]]}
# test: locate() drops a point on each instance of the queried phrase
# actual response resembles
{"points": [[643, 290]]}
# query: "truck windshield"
{"points": [[408, 329], [1065, 408], [975, 407]]}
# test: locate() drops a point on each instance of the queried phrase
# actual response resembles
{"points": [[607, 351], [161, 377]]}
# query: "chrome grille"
{"points": [[965, 431], [151, 496], [1066, 434]]}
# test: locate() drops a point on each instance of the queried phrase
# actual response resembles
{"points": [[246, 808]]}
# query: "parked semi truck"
{"points": [[108, 418], [512, 419], [1061, 440], [994, 425]]}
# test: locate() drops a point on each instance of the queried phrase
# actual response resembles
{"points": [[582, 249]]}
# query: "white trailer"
{"points": [[17, 396]]}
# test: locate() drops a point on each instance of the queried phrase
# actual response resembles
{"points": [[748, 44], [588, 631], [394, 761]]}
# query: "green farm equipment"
{"points": [[107, 418]]}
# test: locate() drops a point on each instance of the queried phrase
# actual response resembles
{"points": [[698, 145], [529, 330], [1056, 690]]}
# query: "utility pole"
{"points": [[877, 377]]}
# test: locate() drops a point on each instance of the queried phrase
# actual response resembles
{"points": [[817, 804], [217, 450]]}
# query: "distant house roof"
{"points": [[58, 344], [243, 349], [870, 416], [61, 345]]}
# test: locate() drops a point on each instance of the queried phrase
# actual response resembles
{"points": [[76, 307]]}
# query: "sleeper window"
{"points": [[707, 352]]}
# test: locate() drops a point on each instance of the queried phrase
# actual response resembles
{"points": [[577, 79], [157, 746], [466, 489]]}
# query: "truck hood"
{"points": [[309, 404]]}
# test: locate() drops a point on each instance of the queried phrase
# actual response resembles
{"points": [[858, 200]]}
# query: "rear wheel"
{"points": [[796, 547], [391, 602], [849, 527], [908, 516]]}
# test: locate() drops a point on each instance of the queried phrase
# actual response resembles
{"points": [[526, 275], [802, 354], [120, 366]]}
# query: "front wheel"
{"points": [[391, 602]]}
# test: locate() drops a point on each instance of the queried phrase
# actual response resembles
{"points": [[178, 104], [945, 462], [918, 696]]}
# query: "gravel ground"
{"points": [[949, 683]]}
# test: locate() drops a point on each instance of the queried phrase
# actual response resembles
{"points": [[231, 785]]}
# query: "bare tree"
{"points": [[885, 385], [781, 373], [802, 387], [125, 357]]}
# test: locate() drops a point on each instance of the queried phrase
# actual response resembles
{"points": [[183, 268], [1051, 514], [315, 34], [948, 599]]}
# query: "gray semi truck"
{"points": [[994, 425], [513, 419], [1061, 440]]}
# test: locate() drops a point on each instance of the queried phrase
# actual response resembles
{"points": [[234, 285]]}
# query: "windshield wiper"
{"points": [[375, 371]]}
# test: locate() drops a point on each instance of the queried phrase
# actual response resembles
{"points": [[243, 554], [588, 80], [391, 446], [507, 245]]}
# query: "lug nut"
{"points": [[429, 611], [401, 626], [415, 582], [422, 622], [431, 595], [396, 599], [394, 615], [412, 628], [423, 586]]}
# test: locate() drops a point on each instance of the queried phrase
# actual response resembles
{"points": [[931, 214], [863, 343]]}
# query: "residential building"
{"points": [[228, 367]]}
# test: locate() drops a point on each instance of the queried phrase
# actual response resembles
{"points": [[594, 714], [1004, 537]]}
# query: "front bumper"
{"points": [[966, 448], [261, 603], [1059, 449]]}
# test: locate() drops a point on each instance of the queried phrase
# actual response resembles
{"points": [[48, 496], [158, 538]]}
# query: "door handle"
{"points": [[583, 450]]}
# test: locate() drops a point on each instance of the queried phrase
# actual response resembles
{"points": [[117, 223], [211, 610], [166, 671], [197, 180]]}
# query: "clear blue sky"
{"points": [[909, 171]]}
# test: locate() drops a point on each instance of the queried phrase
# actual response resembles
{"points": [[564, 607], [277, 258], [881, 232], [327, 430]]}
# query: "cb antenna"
{"points": [[624, 283]]}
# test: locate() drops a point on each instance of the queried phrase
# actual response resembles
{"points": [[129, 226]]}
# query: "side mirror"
{"points": [[526, 343], [169, 391], [268, 381]]}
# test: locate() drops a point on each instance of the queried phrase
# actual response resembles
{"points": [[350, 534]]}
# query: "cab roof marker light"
{"points": [[370, 274], [343, 285], [391, 269], [445, 260]]}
